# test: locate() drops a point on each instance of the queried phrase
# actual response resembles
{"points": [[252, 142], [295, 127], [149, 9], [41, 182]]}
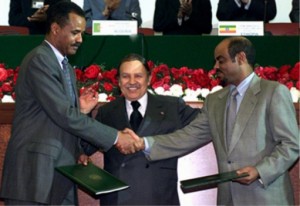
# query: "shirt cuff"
{"points": [[179, 21], [147, 147]]}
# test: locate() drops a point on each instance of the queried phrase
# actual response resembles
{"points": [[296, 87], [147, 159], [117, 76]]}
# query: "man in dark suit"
{"points": [[30, 13], [49, 119], [151, 183], [191, 17], [246, 10], [294, 14]]}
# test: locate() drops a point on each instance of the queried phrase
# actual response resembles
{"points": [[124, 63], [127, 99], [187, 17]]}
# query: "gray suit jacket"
{"points": [[265, 136], [45, 132], [151, 183]]}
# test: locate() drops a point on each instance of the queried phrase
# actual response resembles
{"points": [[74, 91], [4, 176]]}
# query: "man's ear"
{"points": [[55, 28], [241, 57]]}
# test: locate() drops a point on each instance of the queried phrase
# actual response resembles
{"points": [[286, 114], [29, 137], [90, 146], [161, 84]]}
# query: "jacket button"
{"points": [[147, 165], [123, 165]]}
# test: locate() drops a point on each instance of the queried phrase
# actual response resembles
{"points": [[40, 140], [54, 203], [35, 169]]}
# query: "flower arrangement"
{"points": [[190, 84]]}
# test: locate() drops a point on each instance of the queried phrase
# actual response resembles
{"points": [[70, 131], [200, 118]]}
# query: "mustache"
{"points": [[133, 85], [76, 44], [218, 71]]}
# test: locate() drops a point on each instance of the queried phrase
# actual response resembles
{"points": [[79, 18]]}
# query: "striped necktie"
{"points": [[68, 79]]}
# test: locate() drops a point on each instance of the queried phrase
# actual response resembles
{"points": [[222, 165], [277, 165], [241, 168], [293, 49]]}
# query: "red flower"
{"points": [[3, 74], [295, 72], [110, 98], [92, 71], [111, 76], [7, 87], [108, 87]]}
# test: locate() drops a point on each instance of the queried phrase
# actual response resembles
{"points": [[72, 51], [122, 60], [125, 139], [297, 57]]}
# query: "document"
{"points": [[208, 182], [93, 179]]}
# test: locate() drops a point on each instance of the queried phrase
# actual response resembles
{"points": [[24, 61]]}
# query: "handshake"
{"points": [[129, 142]]}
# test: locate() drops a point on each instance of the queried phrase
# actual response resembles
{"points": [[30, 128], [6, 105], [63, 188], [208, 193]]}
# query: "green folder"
{"points": [[208, 182], [93, 179]]}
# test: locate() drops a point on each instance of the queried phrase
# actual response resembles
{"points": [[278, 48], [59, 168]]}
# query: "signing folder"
{"points": [[208, 182], [92, 178]]}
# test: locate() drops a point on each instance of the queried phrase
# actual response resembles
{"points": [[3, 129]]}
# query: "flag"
{"points": [[227, 29]]}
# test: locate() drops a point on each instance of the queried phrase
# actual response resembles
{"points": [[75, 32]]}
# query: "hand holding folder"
{"points": [[92, 178], [208, 182]]}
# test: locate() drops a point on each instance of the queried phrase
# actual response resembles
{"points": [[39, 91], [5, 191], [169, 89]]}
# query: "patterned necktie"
{"points": [[135, 117], [231, 115], [68, 79]]}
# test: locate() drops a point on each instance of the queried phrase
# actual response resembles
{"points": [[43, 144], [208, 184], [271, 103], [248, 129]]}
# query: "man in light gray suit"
{"points": [[49, 119], [264, 141]]}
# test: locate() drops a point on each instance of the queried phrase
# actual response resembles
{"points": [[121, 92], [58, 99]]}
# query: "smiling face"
{"points": [[133, 79], [68, 38]]}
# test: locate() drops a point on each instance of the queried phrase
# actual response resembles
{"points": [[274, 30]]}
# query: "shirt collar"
{"points": [[58, 55], [142, 109], [244, 85]]}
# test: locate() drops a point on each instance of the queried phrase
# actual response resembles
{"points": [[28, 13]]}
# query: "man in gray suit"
{"points": [[49, 118], [265, 136], [151, 183]]}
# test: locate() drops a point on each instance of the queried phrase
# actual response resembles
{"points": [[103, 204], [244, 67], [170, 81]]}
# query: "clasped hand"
{"points": [[110, 6], [128, 142], [40, 15], [185, 9]]}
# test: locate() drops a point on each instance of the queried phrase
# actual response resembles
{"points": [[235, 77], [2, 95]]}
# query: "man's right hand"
{"points": [[128, 142]]}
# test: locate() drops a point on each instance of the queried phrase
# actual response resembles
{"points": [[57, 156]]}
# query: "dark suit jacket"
{"points": [[151, 183], [294, 14], [258, 11], [45, 132], [165, 18]]}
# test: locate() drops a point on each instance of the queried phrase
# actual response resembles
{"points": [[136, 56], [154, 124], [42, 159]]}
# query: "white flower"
{"points": [[295, 94], [216, 88], [191, 95], [204, 92], [102, 97], [159, 90], [176, 90], [7, 99]]}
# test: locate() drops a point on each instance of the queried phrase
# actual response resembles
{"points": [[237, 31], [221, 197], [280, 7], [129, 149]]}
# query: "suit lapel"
{"points": [[119, 114], [153, 117], [220, 116], [245, 111], [71, 71]]}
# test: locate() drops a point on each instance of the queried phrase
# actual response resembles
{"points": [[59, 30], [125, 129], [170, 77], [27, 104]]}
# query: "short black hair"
{"points": [[59, 13], [133, 57], [242, 44]]}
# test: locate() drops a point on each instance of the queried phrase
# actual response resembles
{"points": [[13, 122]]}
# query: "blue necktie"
{"points": [[68, 79], [135, 117]]}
